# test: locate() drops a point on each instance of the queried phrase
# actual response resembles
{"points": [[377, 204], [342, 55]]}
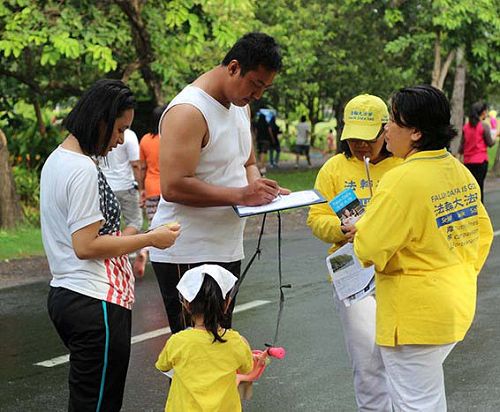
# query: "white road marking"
{"points": [[54, 361], [496, 233], [150, 335]]}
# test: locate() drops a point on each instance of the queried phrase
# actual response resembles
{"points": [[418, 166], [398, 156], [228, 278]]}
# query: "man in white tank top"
{"points": [[207, 165]]}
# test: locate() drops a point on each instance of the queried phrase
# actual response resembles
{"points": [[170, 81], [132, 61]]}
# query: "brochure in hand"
{"points": [[352, 282], [347, 206]]}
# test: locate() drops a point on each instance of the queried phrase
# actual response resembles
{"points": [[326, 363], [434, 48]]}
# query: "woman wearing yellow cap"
{"points": [[362, 137], [428, 235]]}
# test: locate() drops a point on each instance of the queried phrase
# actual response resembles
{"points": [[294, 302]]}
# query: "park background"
{"points": [[51, 51]]}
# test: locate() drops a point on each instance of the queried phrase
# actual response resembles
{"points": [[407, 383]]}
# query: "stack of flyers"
{"points": [[352, 282]]}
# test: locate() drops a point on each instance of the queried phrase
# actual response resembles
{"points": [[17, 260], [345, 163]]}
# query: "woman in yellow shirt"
{"points": [[362, 136], [428, 235], [206, 357]]}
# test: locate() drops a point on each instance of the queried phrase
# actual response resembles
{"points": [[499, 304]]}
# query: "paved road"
{"points": [[314, 376]]}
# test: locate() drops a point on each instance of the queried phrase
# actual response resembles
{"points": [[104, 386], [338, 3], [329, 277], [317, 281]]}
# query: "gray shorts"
{"points": [[131, 212]]}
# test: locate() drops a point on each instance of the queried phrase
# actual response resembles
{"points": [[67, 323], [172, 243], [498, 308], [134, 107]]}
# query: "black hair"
{"points": [[303, 118], [254, 50], [426, 109], [346, 150], [210, 303], [103, 103], [261, 120], [475, 112], [155, 118]]}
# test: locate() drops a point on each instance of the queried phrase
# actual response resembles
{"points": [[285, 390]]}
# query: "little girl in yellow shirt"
{"points": [[206, 357]]}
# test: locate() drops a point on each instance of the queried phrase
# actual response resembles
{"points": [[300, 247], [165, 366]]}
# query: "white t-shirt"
{"points": [[303, 131], [210, 234], [72, 196], [117, 167]]}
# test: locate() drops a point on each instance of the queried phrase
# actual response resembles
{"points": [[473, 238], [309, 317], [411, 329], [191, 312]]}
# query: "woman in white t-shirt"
{"points": [[92, 286]]}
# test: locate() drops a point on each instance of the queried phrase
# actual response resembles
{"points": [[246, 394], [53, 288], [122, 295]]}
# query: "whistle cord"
{"points": [[257, 253], [281, 285]]}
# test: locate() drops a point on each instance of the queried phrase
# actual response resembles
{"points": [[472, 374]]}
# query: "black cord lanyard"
{"points": [[257, 253], [282, 286]]}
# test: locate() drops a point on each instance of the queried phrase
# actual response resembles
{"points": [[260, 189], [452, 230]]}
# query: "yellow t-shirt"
{"points": [[204, 371], [337, 174], [428, 235]]}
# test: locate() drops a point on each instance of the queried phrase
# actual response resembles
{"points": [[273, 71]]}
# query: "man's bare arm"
{"points": [[183, 133], [252, 169], [136, 169]]}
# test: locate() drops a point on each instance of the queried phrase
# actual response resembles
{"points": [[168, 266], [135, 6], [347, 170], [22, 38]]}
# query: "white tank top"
{"points": [[210, 234]]}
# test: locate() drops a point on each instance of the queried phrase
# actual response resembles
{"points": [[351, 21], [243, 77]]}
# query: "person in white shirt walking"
{"points": [[302, 142]]}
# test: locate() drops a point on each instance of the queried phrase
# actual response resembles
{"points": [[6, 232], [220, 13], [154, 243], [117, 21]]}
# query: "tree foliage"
{"points": [[51, 50], [428, 34]]}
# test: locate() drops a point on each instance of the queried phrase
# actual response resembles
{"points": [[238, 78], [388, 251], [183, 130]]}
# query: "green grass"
{"points": [[21, 242], [491, 155], [294, 180]]}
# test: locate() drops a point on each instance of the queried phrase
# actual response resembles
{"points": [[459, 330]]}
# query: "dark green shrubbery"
{"points": [[28, 189], [28, 150]]}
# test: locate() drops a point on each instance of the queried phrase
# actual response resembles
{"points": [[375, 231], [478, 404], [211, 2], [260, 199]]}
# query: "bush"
{"points": [[28, 189], [27, 147]]}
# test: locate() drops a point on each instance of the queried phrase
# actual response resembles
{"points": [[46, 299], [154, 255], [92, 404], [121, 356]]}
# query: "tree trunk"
{"points": [[339, 116], [312, 119], [10, 210], [437, 60], [457, 99], [439, 72], [39, 118], [444, 70], [143, 47]]}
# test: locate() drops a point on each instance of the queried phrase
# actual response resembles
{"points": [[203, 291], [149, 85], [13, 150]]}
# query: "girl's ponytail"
{"points": [[209, 303]]}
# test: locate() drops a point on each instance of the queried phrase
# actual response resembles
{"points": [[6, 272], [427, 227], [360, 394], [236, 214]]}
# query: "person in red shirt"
{"points": [[476, 138]]}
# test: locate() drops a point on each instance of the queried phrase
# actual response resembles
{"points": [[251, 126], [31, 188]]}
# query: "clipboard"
{"points": [[283, 202]]}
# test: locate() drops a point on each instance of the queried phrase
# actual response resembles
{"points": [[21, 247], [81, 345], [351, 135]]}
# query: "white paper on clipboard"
{"points": [[283, 202]]}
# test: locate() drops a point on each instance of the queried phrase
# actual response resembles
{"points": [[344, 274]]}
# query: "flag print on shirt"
{"points": [[118, 269]]}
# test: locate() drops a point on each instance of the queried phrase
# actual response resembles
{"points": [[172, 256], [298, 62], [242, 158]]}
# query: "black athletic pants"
{"points": [[168, 275], [479, 171], [97, 335]]}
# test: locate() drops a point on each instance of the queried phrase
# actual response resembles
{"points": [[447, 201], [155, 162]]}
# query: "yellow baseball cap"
{"points": [[363, 117]]}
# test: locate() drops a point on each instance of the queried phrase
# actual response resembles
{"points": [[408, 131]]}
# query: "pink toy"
{"points": [[260, 362]]}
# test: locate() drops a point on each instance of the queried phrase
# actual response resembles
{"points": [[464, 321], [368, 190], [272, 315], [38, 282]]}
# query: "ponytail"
{"points": [[210, 303]]}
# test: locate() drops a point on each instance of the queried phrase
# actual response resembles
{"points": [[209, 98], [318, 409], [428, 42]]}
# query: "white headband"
{"points": [[191, 281]]}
